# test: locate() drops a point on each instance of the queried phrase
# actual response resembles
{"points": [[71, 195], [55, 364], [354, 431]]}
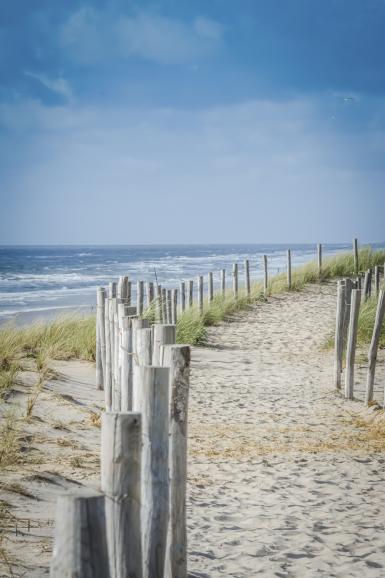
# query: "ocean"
{"points": [[44, 281]]}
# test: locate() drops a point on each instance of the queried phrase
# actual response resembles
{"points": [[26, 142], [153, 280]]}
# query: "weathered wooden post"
{"points": [[373, 349], [348, 284], [129, 292], [143, 347], [112, 289], [139, 297], [183, 296], [367, 284], [162, 335], [149, 293], [377, 280], [159, 310], [265, 275], [339, 335], [122, 292], [235, 280], [100, 338], [200, 293], [247, 277], [80, 546], [177, 357], [151, 399], [190, 293], [174, 306], [108, 372], [352, 341], [223, 282], [319, 259], [289, 269], [169, 306], [355, 256], [126, 367], [210, 288], [164, 305], [121, 451], [116, 388]]}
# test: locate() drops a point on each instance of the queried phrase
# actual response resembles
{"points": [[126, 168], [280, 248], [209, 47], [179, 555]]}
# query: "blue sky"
{"points": [[204, 121]]}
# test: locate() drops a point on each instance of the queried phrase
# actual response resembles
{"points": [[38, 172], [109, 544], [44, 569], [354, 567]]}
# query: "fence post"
{"points": [[235, 280], [80, 546], [174, 306], [112, 287], [210, 287], [265, 275], [339, 334], [190, 293], [139, 297], [377, 280], [367, 284], [319, 258], [348, 284], [143, 347], [100, 338], [373, 349], [126, 368], [169, 306], [129, 292], [116, 383], [355, 256], [177, 357], [183, 296], [164, 305], [149, 293], [200, 293], [352, 341], [162, 335], [247, 277], [159, 313], [108, 367], [289, 269], [223, 282], [121, 482], [151, 398]]}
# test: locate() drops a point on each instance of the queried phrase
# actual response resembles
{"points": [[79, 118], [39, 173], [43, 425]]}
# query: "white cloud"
{"points": [[93, 36], [58, 85]]}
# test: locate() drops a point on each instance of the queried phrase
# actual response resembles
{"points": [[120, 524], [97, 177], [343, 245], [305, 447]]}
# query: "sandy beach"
{"points": [[284, 481]]}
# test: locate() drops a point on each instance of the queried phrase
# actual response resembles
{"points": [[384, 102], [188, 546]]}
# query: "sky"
{"points": [[210, 121]]}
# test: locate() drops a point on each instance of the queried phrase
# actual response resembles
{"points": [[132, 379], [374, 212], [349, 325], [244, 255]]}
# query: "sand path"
{"points": [[282, 482]]}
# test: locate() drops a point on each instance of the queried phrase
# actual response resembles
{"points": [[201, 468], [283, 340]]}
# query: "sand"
{"points": [[283, 479]]}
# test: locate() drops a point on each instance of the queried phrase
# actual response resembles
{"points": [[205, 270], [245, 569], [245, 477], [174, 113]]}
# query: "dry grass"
{"points": [[10, 442]]}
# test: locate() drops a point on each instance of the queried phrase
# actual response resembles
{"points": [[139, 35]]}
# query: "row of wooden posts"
{"points": [[350, 294], [136, 526]]}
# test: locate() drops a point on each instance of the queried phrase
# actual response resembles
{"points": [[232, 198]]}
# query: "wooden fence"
{"points": [[135, 527], [351, 293]]}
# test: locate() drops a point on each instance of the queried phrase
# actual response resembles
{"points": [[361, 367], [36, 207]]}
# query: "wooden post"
{"points": [[162, 335], [377, 280], [112, 288], [169, 306], [139, 297], [177, 357], [319, 258], [289, 269], [129, 292], [164, 305], [123, 289], [143, 347], [126, 367], [348, 284], [159, 309], [200, 293], [352, 341], [151, 399], [100, 338], [136, 325], [80, 547], [190, 293], [121, 450], [174, 306], [149, 293], [373, 349], [247, 277], [367, 284], [339, 337], [355, 256], [210, 287], [235, 280], [265, 275], [108, 371], [116, 390], [223, 282], [183, 296]]}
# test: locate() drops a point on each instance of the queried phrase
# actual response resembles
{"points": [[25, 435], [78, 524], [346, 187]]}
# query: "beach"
{"points": [[283, 478]]}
